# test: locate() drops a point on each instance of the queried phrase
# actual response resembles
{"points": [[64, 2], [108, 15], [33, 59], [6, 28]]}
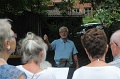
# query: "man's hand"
{"points": [[47, 41], [76, 61], [77, 66], [45, 37]]}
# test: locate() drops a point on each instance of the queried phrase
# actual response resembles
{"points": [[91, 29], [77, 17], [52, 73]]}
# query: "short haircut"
{"points": [[63, 27], [95, 41], [116, 37], [31, 47], [5, 32]]}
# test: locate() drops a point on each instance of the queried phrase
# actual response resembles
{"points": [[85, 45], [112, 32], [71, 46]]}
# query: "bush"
{"points": [[89, 19]]}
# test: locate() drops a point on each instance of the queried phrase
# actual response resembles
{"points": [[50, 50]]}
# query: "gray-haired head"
{"points": [[5, 32], [115, 43], [63, 27], [31, 48], [116, 37]]}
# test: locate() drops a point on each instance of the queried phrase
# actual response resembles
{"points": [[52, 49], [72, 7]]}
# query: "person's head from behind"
{"points": [[33, 49], [115, 43], [63, 32], [7, 37], [95, 43]]}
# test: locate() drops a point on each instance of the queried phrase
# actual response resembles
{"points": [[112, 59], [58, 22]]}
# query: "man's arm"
{"points": [[47, 41], [76, 60]]}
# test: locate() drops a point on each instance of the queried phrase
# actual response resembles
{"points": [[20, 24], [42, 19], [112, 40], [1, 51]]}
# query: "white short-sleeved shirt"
{"points": [[104, 72], [45, 74]]}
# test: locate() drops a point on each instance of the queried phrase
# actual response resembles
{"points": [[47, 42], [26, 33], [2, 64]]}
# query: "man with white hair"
{"points": [[64, 48], [115, 48]]}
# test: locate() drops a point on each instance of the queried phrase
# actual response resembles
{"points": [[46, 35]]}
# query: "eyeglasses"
{"points": [[113, 43], [14, 36]]}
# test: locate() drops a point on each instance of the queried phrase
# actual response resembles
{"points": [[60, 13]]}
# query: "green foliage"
{"points": [[53, 28], [89, 19], [38, 6], [66, 6], [18, 6], [11, 6], [54, 31], [84, 1], [105, 10]]}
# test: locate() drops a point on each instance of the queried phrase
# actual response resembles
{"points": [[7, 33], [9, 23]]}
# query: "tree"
{"points": [[38, 6], [18, 6], [66, 6], [107, 11], [11, 6]]}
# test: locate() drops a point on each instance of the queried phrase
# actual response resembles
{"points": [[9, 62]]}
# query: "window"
{"points": [[77, 10], [87, 11]]}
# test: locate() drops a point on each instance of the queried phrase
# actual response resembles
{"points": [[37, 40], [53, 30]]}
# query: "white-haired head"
{"points": [[5, 32], [63, 27], [32, 46], [115, 43]]}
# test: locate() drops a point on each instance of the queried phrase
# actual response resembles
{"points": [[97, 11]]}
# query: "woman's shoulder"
{"points": [[9, 68], [12, 71]]}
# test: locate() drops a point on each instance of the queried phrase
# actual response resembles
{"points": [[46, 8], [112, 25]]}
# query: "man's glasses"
{"points": [[113, 43], [14, 36]]}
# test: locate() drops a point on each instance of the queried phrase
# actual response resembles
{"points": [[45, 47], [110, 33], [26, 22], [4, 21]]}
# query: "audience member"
{"points": [[18, 48], [95, 44], [7, 47], [34, 52], [115, 48], [64, 48]]}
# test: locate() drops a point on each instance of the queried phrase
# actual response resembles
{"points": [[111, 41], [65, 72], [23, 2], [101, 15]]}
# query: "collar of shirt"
{"points": [[63, 41], [117, 57]]}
